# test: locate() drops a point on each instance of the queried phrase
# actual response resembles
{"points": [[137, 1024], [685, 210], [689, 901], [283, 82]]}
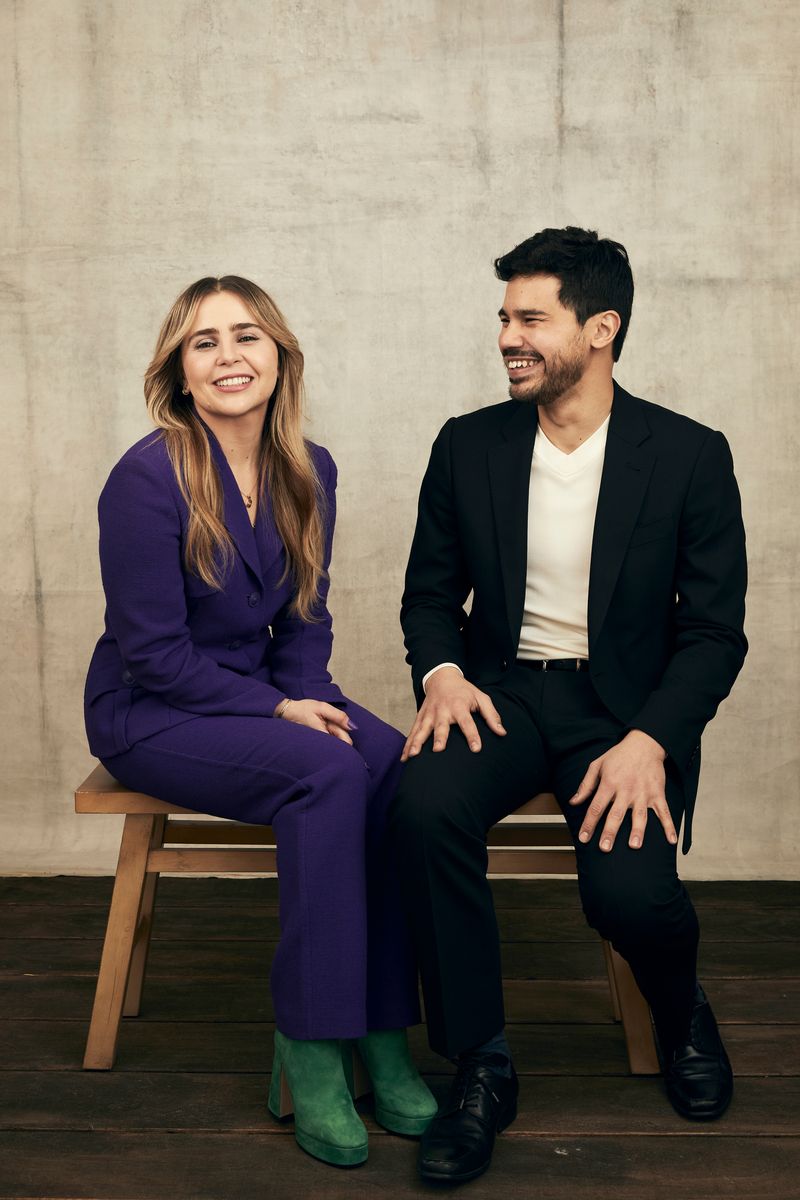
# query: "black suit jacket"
{"points": [[668, 570]]}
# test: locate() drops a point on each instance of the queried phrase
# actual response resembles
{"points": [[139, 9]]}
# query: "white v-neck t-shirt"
{"points": [[562, 502]]}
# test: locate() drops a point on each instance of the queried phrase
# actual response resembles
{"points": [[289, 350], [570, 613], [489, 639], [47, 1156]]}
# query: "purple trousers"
{"points": [[344, 964]]}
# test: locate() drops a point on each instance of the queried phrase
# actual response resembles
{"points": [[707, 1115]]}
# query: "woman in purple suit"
{"points": [[210, 689]]}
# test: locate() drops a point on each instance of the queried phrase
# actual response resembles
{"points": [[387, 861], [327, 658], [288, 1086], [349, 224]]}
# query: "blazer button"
{"points": [[234, 645], [127, 678], [505, 664], [253, 599]]}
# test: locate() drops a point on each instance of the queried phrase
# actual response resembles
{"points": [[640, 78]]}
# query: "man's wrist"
{"points": [[439, 667], [639, 735]]}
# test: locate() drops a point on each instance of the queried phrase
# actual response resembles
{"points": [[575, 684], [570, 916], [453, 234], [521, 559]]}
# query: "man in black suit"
{"points": [[601, 541]]}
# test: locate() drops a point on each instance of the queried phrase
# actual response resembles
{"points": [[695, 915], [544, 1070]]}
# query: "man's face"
{"points": [[544, 349]]}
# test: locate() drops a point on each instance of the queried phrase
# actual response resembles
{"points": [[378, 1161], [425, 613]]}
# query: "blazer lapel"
{"points": [[627, 468], [272, 546], [509, 481], [237, 522]]}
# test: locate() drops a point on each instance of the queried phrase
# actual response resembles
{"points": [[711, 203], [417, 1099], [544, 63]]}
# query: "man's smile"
{"points": [[520, 364]]}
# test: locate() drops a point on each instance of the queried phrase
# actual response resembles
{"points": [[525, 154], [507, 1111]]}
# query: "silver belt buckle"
{"points": [[544, 664]]}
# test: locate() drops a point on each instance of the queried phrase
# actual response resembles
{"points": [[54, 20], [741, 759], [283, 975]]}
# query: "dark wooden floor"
{"points": [[183, 1113]]}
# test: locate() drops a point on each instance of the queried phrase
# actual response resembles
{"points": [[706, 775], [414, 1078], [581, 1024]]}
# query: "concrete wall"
{"points": [[365, 163]]}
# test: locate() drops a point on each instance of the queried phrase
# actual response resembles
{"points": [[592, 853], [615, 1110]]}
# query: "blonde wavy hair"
{"points": [[285, 466]]}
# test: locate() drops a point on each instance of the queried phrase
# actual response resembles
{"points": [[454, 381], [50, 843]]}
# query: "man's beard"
{"points": [[560, 375]]}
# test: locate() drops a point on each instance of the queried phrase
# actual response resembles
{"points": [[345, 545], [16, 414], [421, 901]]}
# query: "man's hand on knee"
{"points": [[450, 699], [628, 776]]}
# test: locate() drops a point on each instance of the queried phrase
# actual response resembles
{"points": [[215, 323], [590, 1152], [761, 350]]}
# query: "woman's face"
{"points": [[230, 363]]}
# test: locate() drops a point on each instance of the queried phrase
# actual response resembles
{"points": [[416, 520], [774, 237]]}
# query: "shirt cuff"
{"points": [[438, 667]]}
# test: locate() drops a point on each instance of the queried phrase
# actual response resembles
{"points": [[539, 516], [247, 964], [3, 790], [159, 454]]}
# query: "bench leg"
{"points": [[144, 929], [115, 963], [635, 1014], [612, 983]]}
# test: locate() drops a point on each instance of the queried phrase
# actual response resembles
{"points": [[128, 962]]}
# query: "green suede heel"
{"points": [[307, 1079], [403, 1102]]}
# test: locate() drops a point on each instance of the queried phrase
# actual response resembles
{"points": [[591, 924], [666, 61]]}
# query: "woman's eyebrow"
{"points": [[233, 328]]}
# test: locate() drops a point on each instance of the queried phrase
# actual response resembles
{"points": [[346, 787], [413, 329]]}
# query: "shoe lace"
{"points": [[468, 1086]]}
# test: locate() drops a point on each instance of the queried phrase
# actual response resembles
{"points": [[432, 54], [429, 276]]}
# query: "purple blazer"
{"points": [[175, 648]]}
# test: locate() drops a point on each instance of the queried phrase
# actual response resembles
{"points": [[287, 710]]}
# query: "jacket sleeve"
{"points": [[143, 578], [437, 581], [301, 650], [711, 580]]}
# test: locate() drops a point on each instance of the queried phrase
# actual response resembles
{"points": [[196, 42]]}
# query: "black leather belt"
{"points": [[555, 664]]}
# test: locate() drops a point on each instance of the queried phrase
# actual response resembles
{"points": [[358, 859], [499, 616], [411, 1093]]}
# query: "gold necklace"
{"points": [[248, 496]]}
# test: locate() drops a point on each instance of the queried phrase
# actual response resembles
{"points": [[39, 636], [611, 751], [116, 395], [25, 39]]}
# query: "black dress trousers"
{"points": [[447, 801]]}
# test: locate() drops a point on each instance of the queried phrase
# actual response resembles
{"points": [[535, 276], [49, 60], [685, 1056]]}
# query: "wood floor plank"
{"points": [[548, 1105], [759, 893], [236, 922], [637, 1105], [83, 1166], [509, 893], [240, 921], [735, 923], [247, 1047], [717, 960], [568, 1002], [737, 1000], [96, 889], [204, 1046], [200, 958]]}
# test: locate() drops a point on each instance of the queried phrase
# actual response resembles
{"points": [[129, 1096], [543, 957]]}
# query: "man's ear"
{"points": [[602, 328]]}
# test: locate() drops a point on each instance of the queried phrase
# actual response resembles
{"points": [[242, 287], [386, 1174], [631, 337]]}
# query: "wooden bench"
{"points": [[152, 842]]}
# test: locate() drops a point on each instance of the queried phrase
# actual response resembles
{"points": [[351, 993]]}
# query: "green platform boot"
{"points": [[308, 1080], [403, 1102]]}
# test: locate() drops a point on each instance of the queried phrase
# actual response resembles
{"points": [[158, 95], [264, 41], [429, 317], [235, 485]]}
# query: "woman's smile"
{"points": [[233, 383]]}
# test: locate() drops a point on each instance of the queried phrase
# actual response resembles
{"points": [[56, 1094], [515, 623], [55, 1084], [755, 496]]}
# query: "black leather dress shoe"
{"points": [[458, 1143], [697, 1071]]}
